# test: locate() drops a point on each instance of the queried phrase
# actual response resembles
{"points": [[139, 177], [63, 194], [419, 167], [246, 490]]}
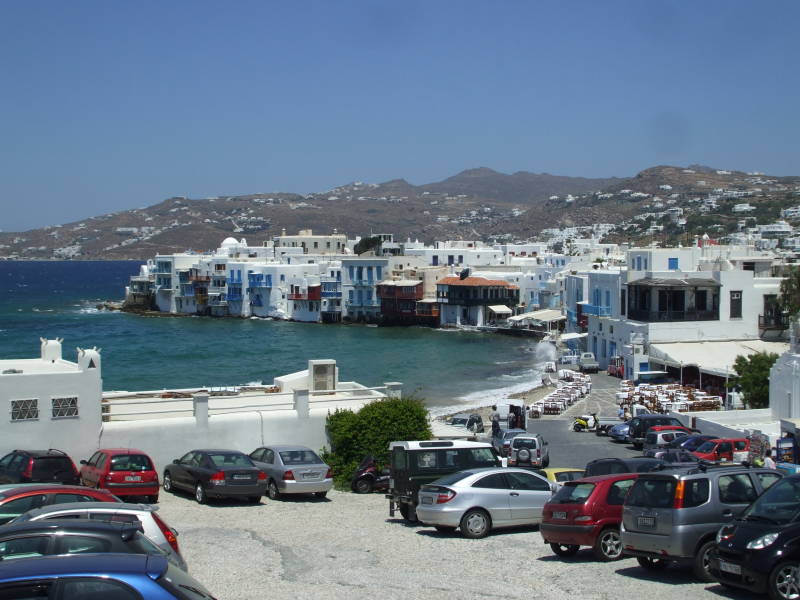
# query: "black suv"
{"points": [[638, 427], [759, 552], [73, 536], [38, 466]]}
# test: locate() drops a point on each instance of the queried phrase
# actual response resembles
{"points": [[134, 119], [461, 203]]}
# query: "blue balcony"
{"points": [[259, 280], [597, 311], [572, 316]]}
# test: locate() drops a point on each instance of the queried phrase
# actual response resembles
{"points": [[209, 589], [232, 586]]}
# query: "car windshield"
{"points": [[300, 457], [131, 462], [568, 475], [453, 478], [706, 447], [49, 466], [651, 493], [779, 504], [230, 460], [690, 444], [510, 435], [573, 493], [529, 443]]}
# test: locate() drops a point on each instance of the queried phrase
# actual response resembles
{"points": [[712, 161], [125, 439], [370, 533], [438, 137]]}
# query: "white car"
{"points": [[153, 527]]}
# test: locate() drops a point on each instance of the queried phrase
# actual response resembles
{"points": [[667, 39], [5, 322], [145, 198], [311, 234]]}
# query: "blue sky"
{"points": [[108, 106]]}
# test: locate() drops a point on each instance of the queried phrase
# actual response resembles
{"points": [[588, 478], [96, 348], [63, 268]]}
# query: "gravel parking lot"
{"points": [[347, 545]]}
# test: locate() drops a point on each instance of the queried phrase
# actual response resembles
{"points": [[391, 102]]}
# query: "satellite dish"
{"points": [[464, 274]]}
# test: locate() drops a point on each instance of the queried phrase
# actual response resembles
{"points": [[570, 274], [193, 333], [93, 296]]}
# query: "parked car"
{"points": [[657, 440], [415, 464], [727, 449], [560, 475], [529, 450], [72, 536], [674, 516], [471, 422], [123, 471], [689, 443], [38, 466], [759, 552], [15, 501], [477, 501], [587, 512], [215, 474], [502, 441], [619, 432], [640, 424], [587, 363], [608, 466], [143, 515], [98, 576], [293, 470]]}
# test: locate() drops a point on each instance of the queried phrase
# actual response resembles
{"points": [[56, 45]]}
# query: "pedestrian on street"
{"points": [[769, 462], [495, 418]]}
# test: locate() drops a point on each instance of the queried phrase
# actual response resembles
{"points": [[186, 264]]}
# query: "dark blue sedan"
{"points": [[98, 577]]}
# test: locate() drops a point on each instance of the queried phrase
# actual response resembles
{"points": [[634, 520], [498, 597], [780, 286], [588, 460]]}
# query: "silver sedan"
{"points": [[479, 500], [293, 470]]}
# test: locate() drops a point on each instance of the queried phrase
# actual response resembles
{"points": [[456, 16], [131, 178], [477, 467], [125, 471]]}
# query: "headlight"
{"points": [[762, 542]]}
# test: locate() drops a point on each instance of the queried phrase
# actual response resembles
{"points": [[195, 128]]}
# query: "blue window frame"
{"points": [[673, 264]]}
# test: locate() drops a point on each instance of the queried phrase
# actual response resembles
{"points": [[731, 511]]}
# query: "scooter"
{"points": [[368, 479], [585, 423]]}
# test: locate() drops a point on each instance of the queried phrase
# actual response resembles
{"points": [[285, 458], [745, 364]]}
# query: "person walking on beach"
{"points": [[495, 418]]}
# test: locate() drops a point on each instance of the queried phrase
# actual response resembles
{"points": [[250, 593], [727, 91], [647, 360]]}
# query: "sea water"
{"points": [[449, 369]]}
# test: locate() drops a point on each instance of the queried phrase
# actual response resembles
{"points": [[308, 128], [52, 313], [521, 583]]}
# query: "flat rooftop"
{"points": [[36, 366]]}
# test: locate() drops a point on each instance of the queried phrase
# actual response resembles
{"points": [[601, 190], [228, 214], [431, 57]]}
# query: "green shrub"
{"points": [[353, 435]]}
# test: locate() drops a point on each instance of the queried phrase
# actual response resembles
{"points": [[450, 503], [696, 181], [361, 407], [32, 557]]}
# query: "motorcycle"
{"points": [[585, 423], [368, 479]]}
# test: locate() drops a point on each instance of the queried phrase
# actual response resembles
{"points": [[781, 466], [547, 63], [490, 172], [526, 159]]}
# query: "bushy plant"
{"points": [[753, 378], [353, 435]]}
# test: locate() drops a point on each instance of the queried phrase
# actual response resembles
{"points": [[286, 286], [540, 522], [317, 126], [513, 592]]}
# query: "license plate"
{"points": [[646, 522], [132, 478], [242, 477], [310, 475], [559, 515], [730, 567], [427, 500]]}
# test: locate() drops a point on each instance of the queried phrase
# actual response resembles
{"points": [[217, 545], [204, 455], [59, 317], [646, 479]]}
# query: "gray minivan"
{"points": [[673, 516]]}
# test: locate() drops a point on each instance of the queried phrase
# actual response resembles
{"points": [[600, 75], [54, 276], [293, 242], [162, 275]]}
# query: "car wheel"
{"points": [[608, 545], [152, 499], [546, 462], [362, 486], [576, 428], [408, 512], [784, 581], [444, 528], [702, 562], [200, 493], [272, 490], [167, 482], [320, 494], [652, 564], [475, 524], [565, 549]]}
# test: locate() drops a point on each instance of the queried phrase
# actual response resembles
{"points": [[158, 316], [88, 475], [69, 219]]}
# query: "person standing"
{"points": [[495, 418], [769, 462]]}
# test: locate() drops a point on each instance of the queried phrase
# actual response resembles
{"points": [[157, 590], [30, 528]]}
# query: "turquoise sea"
{"points": [[58, 299]]}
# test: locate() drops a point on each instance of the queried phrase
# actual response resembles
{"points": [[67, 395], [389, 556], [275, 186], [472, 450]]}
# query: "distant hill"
{"points": [[475, 204]]}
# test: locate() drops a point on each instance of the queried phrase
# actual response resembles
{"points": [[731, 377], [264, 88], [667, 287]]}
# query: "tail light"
{"points": [[679, 492], [512, 461], [446, 496], [262, 476], [288, 475], [218, 478], [329, 474], [170, 534], [27, 473]]}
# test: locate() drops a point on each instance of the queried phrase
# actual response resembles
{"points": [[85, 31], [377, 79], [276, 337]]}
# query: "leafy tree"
{"points": [[367, 243], [753, 377], [789, 299], [353, 435]]}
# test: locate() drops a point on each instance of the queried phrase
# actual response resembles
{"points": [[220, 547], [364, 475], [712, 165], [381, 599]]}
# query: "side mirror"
{"points": [[176, 462], [83, 462]]}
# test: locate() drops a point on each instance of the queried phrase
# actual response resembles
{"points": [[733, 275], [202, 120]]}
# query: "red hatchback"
{"points": [[587, 512], [122, 471], [18, 499]]}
